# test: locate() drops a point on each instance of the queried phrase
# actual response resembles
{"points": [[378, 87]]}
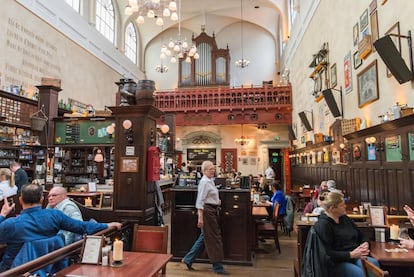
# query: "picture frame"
{"points": [[368, 91], [91, 186], [377, 215], [334, 78], [372, 6], [357, 60], [363, 20], [92, 249], [348, 72], [374, 27], [356, 34], [129, 164], [395, 29]]}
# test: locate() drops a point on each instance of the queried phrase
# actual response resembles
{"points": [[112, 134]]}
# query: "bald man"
{"points": [[58, 199]]}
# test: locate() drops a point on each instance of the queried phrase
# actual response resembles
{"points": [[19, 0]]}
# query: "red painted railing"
{"points": [[207, 99]]}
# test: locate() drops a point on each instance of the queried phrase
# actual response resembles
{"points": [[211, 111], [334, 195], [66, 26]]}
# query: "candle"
{"points": [[88, 202], [118, 250], [394, 230]]}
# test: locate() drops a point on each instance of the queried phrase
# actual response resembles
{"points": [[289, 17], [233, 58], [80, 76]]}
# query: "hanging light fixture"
{"points": [[161, 68], [158, 9], [242, 140], [242, 63], [180, 48]]}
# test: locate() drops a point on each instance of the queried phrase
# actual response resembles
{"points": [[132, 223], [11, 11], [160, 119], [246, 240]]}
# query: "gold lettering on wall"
{"points": [[29, 55]]}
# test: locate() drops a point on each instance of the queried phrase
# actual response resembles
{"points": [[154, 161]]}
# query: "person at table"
{"points": [[269, 172], [313, 204], [35, 223], [7, 188], [208, 204], [408, 243], [278, 197], [59, 200], [344, 243], [20, 176]]}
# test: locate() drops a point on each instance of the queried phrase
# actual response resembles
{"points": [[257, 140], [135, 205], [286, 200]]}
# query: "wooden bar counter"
{"points": [[236, 224]]}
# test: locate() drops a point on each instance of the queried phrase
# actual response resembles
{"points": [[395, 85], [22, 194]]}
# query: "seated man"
{"points": [[35, 223], [58, 199]]}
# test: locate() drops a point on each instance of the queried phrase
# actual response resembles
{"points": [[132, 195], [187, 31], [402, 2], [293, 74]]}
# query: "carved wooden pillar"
{"points": [[133, 194], [48, 99]]}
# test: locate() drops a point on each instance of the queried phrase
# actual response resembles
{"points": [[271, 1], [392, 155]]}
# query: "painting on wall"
{"points": [[348, 73], [368, 85], [356, 34], [363, 19], [357, 60]]}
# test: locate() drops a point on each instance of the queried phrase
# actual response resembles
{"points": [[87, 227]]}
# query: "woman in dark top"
{"points": [[345, 244]]}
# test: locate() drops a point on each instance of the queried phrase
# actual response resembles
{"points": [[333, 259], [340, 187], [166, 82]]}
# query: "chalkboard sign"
{"points": [[201, 154], [83, 132]]}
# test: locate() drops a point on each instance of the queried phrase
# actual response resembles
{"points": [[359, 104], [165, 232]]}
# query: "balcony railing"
{"points": [[207, 99]]}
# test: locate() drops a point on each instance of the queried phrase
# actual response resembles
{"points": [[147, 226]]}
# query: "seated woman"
{"points": [[7, 187], [277, 197], [344, 243]]}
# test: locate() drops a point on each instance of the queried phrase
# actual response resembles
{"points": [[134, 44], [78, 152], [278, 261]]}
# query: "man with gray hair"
{"points": [[58, 199]]}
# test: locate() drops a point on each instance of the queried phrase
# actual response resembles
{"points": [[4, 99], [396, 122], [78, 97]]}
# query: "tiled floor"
{"points": [[271, 264]]}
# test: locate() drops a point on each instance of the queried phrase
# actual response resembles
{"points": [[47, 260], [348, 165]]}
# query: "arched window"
{"points": [[131, 43], [75, 4], [105, 19]]}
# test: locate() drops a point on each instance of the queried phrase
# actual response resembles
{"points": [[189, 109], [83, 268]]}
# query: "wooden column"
{"points": [[48, 98], [134, 197]]}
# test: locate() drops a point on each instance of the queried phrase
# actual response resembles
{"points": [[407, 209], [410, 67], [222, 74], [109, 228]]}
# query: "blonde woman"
{"points": [[344, 243], [7, 187]]}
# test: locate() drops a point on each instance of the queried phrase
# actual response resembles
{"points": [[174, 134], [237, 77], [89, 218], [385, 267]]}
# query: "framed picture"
{"points": [[357, 60], [92, 249], [356, 34], [333, 75], [129, 164], [395, 29], [348, 73], [377, 215], [363, 20], [368, 85], [91, 186], [372, 6], [374, 27]]}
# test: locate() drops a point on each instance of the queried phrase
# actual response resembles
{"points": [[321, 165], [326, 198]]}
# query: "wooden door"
{"points": [[228, 159]]}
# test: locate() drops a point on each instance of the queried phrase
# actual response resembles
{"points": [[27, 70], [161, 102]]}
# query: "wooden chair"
{"points": [[371, 270], [268, 229], [153, 239]]}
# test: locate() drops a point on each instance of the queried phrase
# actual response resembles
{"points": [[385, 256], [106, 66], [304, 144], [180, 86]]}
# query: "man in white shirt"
{"points": [[269, 173]]}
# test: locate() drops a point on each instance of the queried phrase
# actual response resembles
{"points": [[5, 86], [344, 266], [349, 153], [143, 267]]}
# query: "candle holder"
{"points": [[117, 263]]}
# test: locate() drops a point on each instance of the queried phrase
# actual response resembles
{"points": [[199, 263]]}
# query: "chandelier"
{"points": [[242, 63], [179, 48], [242, 140], [157, 9], [160, 67]]}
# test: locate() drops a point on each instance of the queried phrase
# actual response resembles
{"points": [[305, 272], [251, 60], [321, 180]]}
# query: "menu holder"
{"points": [[377, 216], [92, 249]]}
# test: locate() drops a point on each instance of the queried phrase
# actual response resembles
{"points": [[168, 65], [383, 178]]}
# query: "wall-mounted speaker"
{"points": [[330, 101], [292, 134], [393, 60], [305, 121]]}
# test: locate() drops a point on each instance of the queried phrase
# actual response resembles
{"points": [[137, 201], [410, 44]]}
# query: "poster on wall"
{"points": [[393, 149], [348, 72]]}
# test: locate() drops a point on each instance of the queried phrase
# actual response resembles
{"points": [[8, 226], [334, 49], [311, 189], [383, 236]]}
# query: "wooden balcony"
{"points": [[225, 105]]}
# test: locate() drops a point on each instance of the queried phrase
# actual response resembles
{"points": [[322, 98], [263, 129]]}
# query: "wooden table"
{"points": [[136, 264], [259, 212], [396, 263]]}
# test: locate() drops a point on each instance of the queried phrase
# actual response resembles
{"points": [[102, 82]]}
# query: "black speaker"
{"points": [[292, 135], [305, 121], [392, 59], [330, 100]]}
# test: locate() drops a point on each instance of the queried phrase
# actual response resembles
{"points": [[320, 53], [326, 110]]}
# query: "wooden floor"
{"points": [[271, 264]]}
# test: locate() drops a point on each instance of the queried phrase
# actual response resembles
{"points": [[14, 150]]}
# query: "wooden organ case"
{"points": [[211, 69]]}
